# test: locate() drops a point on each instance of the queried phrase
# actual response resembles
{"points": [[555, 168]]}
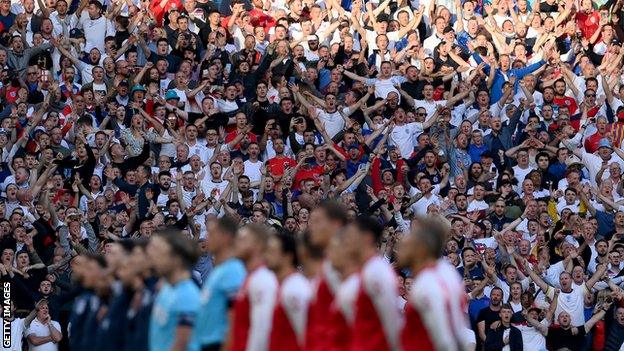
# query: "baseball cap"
{"points": [[76, 33], [138, 87], [171, 94], [604, 142]]}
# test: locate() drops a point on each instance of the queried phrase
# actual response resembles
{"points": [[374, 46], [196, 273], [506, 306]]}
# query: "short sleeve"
{"points": [[187, 302], [393, 36], [57, 326], [370, 81], [234, 281]]}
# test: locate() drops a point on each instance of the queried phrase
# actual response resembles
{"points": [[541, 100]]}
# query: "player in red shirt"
{"points": [[325, 221], [343, 308], [291, 307], [255, 301], [434, 315], [377, 316]]}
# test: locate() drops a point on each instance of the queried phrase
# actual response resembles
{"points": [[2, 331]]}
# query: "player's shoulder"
{"points": [[234, 266], [262, 277], [377, 268], [295, 282], [186, 293]]}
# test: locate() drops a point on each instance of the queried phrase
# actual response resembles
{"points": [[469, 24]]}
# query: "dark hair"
{"points": [[164, 173], [506, 306], [314, 251], [181, 246], [228, 225], [370, 226], [334, 211], [289, 247]]}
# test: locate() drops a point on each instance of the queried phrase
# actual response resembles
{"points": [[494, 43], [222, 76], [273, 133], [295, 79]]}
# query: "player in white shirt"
{"points": [[435, 317]]}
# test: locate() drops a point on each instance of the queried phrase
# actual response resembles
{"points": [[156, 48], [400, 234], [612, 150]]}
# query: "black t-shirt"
{"points": [[563, 338], [545, 8], [488, 316], [213, 122]]}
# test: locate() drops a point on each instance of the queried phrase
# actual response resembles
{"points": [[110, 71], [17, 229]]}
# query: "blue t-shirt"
{"points": [[217, 294], [175, 306]]}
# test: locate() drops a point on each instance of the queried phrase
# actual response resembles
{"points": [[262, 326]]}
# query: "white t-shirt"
{"points": [[252, 170], [294, 296], [476, 205], [532, 339], [208, 185], [95, 31], [404, 137], [572, 302], [199, 150], [333, 122], [383, 87], [419, 208], [521, 173], [17, 332], [38, 329], [429, 106]]}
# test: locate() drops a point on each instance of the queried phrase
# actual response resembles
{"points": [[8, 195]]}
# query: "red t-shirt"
{"points": [[568, 102], [161, 12], [588, 23], [277, 165], [591, 143], [232, 135], [307, 172]]}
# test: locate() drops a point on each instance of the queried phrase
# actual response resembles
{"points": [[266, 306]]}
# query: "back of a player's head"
{"points": [[289, 247], [259, 232], [181, 246], [334, 211], [127, 245], [228, 226], [311, 250], [369, 226], [432, 234], [95, 257]]}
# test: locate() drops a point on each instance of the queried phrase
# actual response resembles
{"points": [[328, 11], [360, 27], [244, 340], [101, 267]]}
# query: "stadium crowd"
{"points": [[300, 175]]}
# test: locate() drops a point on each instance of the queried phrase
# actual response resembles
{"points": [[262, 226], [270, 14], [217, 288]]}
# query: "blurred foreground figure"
{"points": [[175, 308], [435, 314], [255, 301]]}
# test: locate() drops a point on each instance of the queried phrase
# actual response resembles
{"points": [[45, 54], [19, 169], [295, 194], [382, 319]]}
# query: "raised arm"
{"points": [[536, 278], [596, 277], [354, 76], [596, 317]]}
